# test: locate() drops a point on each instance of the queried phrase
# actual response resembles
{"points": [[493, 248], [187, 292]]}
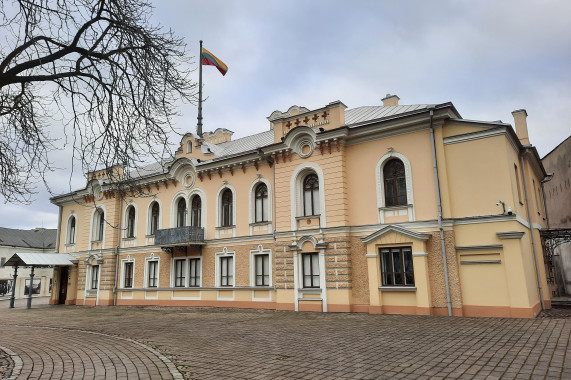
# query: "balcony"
{"points": [[179, 236]]}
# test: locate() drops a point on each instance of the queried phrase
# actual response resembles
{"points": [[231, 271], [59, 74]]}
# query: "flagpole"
{"points": [[199, 125]]}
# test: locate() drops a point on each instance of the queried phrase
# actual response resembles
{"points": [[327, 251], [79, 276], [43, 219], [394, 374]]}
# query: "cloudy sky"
{"points": [[487, 57]]}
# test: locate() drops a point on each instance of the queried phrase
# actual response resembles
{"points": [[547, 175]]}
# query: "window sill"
{"points": [[398, 207], [150, 236], [129, 238], [226, 227], [70, 245], [310, 290], [260, 223], [307, 217], [397, 288], [96, 241]]}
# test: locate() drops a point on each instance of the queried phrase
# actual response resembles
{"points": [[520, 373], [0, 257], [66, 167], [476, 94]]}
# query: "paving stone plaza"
{"points": [[76, 342]]}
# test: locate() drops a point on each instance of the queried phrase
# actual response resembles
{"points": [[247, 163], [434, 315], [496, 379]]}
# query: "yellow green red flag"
{"points": [[208, 58]]}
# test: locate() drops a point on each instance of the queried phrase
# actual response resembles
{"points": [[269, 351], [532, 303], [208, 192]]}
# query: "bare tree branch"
{"points": [[99, 68]]}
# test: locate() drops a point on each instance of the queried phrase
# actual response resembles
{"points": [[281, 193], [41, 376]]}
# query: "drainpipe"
{"points": [[531, 228], [439, 204], [117, 249]]}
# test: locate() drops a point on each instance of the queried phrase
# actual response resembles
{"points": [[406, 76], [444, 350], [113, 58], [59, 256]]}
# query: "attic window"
{"points": [[189, 146]]}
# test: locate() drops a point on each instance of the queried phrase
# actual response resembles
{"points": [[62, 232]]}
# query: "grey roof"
{"points": [[40, 259], [366, 113], [36, 238], [143, 171], [245, 144]]}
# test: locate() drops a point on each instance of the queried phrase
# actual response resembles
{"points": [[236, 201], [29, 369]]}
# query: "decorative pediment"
{"points": [[398, 230]]}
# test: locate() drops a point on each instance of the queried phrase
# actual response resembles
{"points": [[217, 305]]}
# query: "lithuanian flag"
{"points": [[208, 58]]}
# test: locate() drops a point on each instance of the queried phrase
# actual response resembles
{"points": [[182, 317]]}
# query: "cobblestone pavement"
{"points": [[236, 344]]}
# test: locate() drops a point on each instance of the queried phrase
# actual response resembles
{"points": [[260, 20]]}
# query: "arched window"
{"points": [[155, 208], [196, 211], [100, 225], [311, 195], [71, 231], [395, 183], [226, 216], [131, 222], [261, 203], [189, 146], [181, 213]]}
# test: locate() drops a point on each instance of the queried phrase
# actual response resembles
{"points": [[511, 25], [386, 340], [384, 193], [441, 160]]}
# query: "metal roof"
{"points": [[36, 238], [246, 144], [40, 259], [366, 113]]}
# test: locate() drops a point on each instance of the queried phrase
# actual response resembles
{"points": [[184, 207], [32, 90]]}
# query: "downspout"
{"points": [[439, 204], [117, 249], [531, 228]]}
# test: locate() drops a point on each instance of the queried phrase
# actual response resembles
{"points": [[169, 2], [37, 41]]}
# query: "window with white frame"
{"points": [[128, 268], [194, 272], [394, 183], [311, 195], [226, 208], [98, 225], [310, 270], [181, 213], [261, 204], [152, 273], [154, 218], [396, 266], [196, 211], [179, 275], [189, 146], [226, 270], [94, 277], [130, 233], [262, 269], [71, 230]]}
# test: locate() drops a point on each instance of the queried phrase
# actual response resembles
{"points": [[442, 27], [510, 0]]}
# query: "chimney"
{"points": [[520, 121], [390, 100]]}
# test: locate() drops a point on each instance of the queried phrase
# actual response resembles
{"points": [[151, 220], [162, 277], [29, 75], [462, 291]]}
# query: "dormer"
{"points": [[191, 146], [113, 173], [219, 136], [329, 117]]}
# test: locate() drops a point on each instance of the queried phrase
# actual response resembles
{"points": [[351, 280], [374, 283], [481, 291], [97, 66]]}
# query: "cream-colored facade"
{"points": [[381, 209]]}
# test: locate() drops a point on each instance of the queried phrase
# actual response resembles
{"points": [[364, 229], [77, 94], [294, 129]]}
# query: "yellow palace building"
{"points": [[407, 209]]}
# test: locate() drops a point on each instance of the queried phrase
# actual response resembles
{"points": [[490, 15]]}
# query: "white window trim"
{"points": [[381, 186], [219, 210], [203, 213], [253, 253], [296, 193], [252, 192], [68, 228], [146, 272], [95, 226], [218, 279], [149, 215], [186, 267], [176, 197], [184, 272], [298, 273], [189, 146], [126, 220], [123, 262]]}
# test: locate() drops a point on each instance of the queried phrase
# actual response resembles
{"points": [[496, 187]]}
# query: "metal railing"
{"points": [[179, 235]]}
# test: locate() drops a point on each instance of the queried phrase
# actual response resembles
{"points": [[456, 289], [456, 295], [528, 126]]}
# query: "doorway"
{"points": [[63, 280]]}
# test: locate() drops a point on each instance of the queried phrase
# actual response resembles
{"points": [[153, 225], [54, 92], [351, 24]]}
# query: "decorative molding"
{"points": [[510, 235], [419, 254], [479, 247], [397, 288], [394, 228]]}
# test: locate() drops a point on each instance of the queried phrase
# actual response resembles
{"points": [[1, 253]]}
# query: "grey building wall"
{"points": [[558, 201]]}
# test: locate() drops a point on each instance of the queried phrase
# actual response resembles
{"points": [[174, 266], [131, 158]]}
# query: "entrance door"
{"points": [[64, 272]]}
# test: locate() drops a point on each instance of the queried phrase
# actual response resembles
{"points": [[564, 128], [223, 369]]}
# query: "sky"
{"points": [[489, 58]]}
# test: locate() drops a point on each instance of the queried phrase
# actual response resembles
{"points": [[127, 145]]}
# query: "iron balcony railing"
{"points": [[179, 236]]}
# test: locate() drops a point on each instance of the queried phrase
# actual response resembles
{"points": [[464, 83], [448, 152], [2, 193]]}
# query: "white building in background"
{"points": [[38, 240]]}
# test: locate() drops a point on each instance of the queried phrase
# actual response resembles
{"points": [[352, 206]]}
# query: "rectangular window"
{"points": [[227, 271], [2, 261], [194, 272], [179, 279], [396, 266], [262, 265], [128, 275], [310, 264], [94, 276], [152, 275]]}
